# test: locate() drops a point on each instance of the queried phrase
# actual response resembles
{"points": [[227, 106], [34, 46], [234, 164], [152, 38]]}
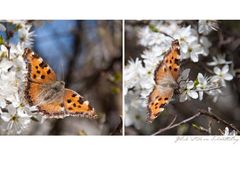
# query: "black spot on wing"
{"points": [[35, 55], [42, 76], [89, 108], [80, 100], [43, 64], [48, 71]]}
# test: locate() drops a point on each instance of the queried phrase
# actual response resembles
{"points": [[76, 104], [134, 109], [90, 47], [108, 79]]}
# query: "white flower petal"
{"points": [[200, 95], [184, 75], [5, 116], [200, 78], [11, 109], [194, 57], [225, 69], [2, 27], [228, 77], [226, 131], [183, 97], [190, 85], [184, 48], [193, 94], [217, 70]]}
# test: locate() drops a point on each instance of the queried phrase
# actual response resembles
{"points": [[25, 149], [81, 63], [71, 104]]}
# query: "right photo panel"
{"points": [[182, 77]]}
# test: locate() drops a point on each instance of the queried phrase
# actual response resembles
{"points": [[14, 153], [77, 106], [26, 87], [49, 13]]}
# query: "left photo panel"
{"points": [[61, 77]]}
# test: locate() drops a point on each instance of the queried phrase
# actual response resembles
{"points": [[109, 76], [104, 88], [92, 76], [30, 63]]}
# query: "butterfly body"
{"points": [[49, 95], [165, 77]]}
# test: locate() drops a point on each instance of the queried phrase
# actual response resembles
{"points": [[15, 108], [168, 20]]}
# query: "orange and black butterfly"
{"points": [[165, 77]]}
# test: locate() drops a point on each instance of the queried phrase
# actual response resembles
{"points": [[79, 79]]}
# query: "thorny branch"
{"points": [[198, 114]]}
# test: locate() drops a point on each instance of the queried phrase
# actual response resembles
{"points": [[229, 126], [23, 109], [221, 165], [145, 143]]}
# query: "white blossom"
{"points": [[2, 27], [218, 60], [139, 73], [14, 114], [25, 36], [194, 50], [228, 133], [222, 75], [206, 44], [188, 91], [206, 26]]}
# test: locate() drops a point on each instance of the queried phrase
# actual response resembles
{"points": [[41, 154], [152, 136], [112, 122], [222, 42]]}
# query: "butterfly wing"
{"points": [[172, 59], [71, 104], [54, 109], [158, 98], [32, 93], [165, 77], [48, 108], [38, 70], [76, 105]]}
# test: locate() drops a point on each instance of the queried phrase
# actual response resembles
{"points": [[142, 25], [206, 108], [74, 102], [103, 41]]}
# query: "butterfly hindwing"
{"points": [[54, 109], [158, 98], [32, 92], [76, 105]]}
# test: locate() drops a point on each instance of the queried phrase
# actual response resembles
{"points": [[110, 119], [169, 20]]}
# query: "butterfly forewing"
{"points": [[39, 70]]}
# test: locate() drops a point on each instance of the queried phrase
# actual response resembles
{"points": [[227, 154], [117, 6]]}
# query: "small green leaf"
{"points": [[196, 83], [115, 90], [117, 76], [153, 28], [1, 40]]}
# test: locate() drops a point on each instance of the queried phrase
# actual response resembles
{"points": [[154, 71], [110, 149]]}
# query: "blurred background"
{"points": [[224, 41], [87, 55]]}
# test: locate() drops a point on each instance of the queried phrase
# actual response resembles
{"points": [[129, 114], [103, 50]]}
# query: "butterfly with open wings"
{"points": [[49, 95]]}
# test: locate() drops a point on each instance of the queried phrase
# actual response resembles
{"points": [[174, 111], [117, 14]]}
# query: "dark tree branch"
{"points": [[200, 112], [171, 125]]}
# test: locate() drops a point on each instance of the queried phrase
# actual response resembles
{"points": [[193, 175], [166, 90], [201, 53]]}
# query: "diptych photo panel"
{"points": [[61, 77], [119, 77], [181, 77]]}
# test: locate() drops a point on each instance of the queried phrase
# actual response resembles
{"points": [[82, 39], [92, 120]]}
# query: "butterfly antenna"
{"points": [[154, 29], [167, 35], [62, 71]]}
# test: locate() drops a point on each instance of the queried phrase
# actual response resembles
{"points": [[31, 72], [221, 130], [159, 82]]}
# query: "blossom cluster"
{"points": [[156, 38], [15, 115]]}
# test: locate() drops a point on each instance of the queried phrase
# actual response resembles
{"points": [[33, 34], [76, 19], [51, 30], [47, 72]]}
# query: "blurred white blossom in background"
{"points": [[228, 133], [15, 116], [194, 42]]}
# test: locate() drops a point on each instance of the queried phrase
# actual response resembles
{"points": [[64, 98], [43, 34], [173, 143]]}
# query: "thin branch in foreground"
{"points": [[200, 112], [171, 125], [218, 119]]}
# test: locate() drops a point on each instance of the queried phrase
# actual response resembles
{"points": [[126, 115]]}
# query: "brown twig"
{"points": [[200, 112], [218, 119], [171, 125]]}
